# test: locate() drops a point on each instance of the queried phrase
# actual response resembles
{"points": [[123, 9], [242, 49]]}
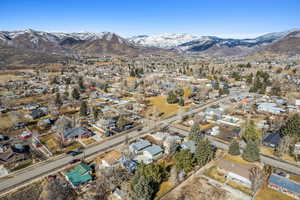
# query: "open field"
{"points": [[215, 174], [237, 159], [73, 146], [160, 102], [269, 194], [240, 187], [269, 151], [30, 100], [31, 191], [7, 77], [88, 141], [163, 189], [51, 142], [198, 188], [5, 122]]}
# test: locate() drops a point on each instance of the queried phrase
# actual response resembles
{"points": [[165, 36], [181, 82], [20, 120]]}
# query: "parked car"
{"points": [[74, 161], [74, 153], [26, 134]]}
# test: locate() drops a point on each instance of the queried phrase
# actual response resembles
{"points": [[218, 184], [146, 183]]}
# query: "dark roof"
{"points": [[78, 131], [272, 138], [285, 183], [37, 113]]}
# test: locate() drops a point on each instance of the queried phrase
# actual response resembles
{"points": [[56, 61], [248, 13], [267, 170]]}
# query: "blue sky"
{"points": [[225, 18]]}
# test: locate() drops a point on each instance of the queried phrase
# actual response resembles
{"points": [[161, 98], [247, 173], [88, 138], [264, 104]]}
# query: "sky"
{"points": [[223, 18]]}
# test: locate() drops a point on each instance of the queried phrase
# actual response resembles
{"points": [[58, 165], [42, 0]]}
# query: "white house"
{"points": [[138, 147], [153, 152], [270, 108]]}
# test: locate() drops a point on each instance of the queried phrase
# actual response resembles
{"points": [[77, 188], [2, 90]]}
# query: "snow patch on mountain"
{"points": [[162, 40]]}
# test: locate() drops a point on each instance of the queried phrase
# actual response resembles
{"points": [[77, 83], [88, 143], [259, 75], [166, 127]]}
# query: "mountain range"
{"points": [[35, 47], [210, 45]]}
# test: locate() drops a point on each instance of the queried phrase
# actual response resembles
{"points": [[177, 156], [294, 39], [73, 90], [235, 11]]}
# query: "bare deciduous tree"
{"points": [[256, 178]]}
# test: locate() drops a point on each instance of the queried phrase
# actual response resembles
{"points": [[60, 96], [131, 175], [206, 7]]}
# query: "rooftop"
{"points": [[286, 183]]}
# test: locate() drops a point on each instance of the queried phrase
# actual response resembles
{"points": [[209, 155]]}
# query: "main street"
{"points": [[52, 165]]}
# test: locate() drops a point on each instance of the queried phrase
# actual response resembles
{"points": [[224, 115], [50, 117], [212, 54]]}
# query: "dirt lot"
{"points": [[197, 188], [52, 143], [32, 191], [268, 194]]}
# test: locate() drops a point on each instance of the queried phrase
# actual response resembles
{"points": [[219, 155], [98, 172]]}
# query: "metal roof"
{"points": [[140, 145], [285, 183], [75, 132], [154, 150], [80, 174]]}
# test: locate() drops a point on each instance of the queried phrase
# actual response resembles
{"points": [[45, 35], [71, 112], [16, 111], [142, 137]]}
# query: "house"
{"points": [[79, 175], [138, 147], [284, 185], [272, 139], [297, 148], [214, 131], [269, 108], [211, 112], [235, 171], [119, 194], [111, 159], [153, 152], [76, 133], [128, 164], [230, 120], [3, 171], [189, 145], [37, 113], [297, 103]]}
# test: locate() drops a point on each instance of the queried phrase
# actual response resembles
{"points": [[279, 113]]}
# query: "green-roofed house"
{"points": [[79, 175]]}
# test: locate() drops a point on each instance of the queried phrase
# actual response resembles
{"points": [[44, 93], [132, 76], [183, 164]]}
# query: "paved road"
{"points": [[266, 159], [51, 165]]}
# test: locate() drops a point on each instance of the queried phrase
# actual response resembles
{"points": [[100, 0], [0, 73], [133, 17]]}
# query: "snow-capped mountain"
{"points": [[31, 46], [166, 41], [189, 43], [62, 42]]}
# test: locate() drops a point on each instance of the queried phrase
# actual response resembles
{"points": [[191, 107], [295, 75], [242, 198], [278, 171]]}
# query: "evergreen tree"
{"points": [[66, 94], [234, 148], [184, 160], [83, 109], [95, 113], [248, 65], [249, 78], [172, 98], [226, 88], [142, 189], [75, 94], [179, 92], [292, 126], [251, 153], [181, 101], [204, 152], [121, 122], [195, 133], [58, 100], [251, 133], [80, 84]]}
